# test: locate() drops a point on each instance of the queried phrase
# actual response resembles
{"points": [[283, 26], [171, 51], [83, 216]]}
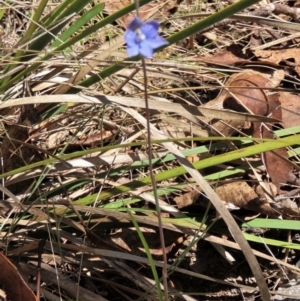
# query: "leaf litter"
{"points": [[225, 68]]}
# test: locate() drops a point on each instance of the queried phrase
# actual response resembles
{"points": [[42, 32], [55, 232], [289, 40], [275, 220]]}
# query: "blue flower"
{"points": [[142, 38]]}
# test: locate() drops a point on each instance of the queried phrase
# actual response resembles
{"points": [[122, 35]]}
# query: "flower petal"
{"points": [[133, 50], [150, 29], [135, 24], [130, 37], [143, 38], [157, 42], [146, 49]]}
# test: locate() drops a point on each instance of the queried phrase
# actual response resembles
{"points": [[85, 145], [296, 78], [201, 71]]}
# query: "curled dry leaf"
{"points": [[187, 199], [281, 55], [290, 104], [236, 84], [12, 283], [242, 195], [231, 55], [278, 159], [247, 94]]}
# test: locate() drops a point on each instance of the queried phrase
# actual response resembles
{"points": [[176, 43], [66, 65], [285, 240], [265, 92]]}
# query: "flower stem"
{"points": [[152, 177], [153, 181]]}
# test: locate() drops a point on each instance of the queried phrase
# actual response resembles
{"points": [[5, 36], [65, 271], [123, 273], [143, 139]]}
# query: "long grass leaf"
{"points": [[272, 224], [84, 19], [149, 256], [272, 242]]}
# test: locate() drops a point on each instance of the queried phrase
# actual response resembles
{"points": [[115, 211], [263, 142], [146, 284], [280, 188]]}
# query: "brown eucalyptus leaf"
{"points": [[280, 55], [187, 199], [242, 195], [231, 55], [276, 162], [290, 104], [240, 89], [246, 94], [12, 283]]}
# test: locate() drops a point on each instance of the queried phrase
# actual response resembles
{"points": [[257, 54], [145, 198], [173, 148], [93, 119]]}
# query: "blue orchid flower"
{"points": [[143, 38]]}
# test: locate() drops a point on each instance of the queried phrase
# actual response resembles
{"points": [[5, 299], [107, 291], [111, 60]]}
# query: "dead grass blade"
{"points": [[165, 105]]}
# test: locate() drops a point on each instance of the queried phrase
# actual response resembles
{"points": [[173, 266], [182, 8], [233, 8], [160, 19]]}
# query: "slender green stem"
{"points": [[153, 182]]}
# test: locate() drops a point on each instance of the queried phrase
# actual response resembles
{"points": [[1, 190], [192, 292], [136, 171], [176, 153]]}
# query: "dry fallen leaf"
{"points": [[231, 55], [12, 283], [277, 159], [187, 199], [281, 55], [242, 195], [290, 104], [247, 94], [236, 84]]}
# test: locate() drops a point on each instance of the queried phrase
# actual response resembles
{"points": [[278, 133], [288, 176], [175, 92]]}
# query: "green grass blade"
{"points": [[85, 18], [45, 38], [57, 13], [149, 256], [271, 242], [35, 21], [273, 224]]}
